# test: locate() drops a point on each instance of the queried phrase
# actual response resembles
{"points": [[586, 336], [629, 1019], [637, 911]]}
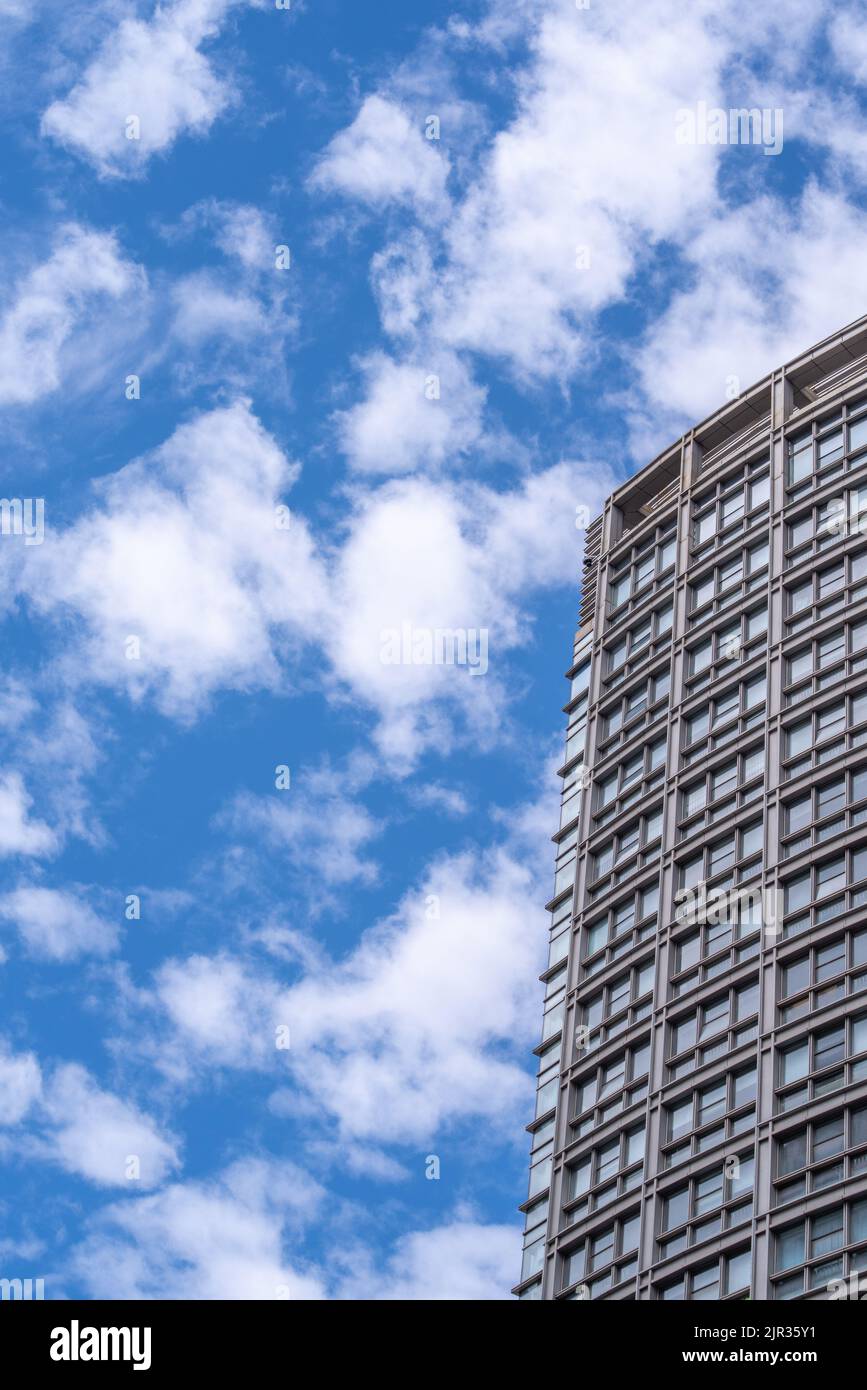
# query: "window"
{"points": [[564, 867], [725, 584], [822, 451], [817, 815], [822, 526], [733, 848], [621, 852], [628, 648], [576, 735], [608, 1088], [639, 567], [714, 1025], [790, 1246], [680, 1119], [817, 1064], [792, 1153], [826, 591], [622, 926], [733, 712], [796, 976], [548, 1078], [826, 1232], [601, 1249], [612, 1078], [708, 1192], [828, 1138], [729, 939], [711, 1102], [637, 704], [626, 1000], [675, 1209], [624, 784], [830, 1047], [837, 965], [737, 500], [739, 1269], [732, 643], [540, 1171], [605, 1173], [704, 794], [725, 1189], [612, 1248], [607, 1160], [714, 1017], [824, 886], [822, 662], [575, 782]]}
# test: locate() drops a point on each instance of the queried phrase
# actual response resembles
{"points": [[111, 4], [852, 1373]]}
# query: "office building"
{"points": [[701, 1116]]}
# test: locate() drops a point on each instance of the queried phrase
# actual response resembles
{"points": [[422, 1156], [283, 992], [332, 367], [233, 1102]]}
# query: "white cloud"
{"points": [[185, 554], [245, 232], [18, 833], [439, 556], [848, 34], [221, 1011], [183, 583], [402, 275], [238, 1235], [383, 157], [414, 414], [41, 326], [361, 1160], [205, 308], [20, 1085], [228, 324], [240, 231], [55, 925], [438, 797], [316, 828], [218, 1239], [76, 1124], [150, 70], [18, 9], [589, 160], [588, 164], [95, 1134], [463, 1260], [59, 736], [753, 302], [421, 1024], [16, 703]]}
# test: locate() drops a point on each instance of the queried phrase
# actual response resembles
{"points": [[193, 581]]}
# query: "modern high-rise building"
{"points": [[701, 1115]]}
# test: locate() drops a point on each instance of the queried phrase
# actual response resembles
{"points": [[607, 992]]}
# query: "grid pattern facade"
{"points": [[700, 1126]]}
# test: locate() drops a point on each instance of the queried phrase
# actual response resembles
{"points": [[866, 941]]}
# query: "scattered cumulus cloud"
{"points": [[733, 325], [462, 1260], [18, 833], [61, 1115], [413, 415], [212, 1239], [20, 1084], [185, 555], [96, 1134], [415, 1028], [57, 925], [152, 72], [383, 158], [52, 305]]}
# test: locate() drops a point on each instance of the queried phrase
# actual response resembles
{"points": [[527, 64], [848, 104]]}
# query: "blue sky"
{"points": [[386, 907]]}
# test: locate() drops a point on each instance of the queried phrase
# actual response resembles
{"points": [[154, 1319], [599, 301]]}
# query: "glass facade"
{"points": [[700, 1126]]}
